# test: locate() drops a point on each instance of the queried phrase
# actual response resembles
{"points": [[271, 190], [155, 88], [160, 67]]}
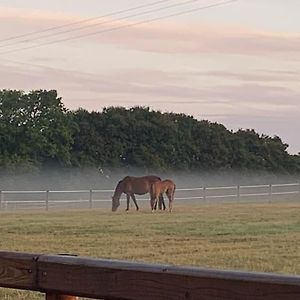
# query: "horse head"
{"points": [[115, 202]]}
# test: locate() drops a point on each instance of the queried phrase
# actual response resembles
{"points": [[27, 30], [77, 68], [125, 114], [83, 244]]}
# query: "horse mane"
{"points": [[118, 189]]}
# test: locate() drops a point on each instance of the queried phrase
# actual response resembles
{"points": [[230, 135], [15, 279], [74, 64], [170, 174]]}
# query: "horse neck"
{"points": [[119, 190]]}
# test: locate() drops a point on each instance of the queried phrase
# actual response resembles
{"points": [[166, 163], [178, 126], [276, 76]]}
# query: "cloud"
{"points": [[224, 84], [266, 108], [160, 37], [254, 76], [148, 86]]}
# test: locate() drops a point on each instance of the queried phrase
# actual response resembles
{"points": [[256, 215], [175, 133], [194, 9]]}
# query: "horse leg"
{"points": [[134, 201], [170, 204], [171, 199], [154, 204], [161, 202], [128, 200], [170, 196], [153, 201]]}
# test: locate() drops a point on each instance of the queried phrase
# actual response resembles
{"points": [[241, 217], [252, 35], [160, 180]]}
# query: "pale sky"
{"points": [[237, 64]]}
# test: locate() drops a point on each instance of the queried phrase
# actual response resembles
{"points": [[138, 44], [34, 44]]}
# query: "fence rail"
{"points": [[49, 198], [111, 279]]}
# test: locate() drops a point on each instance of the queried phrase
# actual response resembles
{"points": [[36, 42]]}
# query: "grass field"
{"points": [[250, 237]]}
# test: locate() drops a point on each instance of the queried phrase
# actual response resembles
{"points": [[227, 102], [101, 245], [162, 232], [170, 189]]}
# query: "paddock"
{"points": [[244, 237]]}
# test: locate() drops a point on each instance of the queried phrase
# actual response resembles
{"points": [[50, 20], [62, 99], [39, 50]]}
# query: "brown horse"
{"points": [[134, 185], [158, 188]]}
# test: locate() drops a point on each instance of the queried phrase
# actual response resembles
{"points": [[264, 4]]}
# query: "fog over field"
{"points": [[75, 179]]}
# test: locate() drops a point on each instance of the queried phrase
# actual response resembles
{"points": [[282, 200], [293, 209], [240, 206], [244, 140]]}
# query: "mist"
{"points": [[97, 178]]}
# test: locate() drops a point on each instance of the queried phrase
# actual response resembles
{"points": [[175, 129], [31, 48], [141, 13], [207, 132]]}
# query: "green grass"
{"points": [[250, 237]]}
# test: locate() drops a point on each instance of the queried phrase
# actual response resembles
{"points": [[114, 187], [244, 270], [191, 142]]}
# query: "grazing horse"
{"points": [[134, 185], [158, 188]]}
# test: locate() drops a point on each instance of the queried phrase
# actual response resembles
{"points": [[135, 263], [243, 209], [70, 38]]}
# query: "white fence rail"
{"points": [[101, 198]]}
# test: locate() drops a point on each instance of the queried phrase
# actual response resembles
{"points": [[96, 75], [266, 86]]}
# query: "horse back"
{"points": [[139, 185], [163, 186]]}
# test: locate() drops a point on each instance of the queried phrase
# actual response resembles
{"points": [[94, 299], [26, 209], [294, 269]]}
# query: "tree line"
{"points": [[37, 131]]}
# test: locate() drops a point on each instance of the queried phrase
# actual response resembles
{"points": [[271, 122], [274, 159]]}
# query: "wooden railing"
{"points": [[58, 275]]}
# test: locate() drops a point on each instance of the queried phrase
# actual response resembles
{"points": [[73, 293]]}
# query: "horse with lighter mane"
{"points": [[158, 188], [134, 185]]}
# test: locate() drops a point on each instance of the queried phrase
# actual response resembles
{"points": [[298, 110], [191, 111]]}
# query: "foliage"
{"points": [[36, 131], [151, 140]]}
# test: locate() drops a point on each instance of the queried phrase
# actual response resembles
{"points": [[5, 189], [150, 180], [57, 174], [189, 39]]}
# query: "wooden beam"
{"points": [[58, 275], [18, 270], [111, 279], [52, 296]]}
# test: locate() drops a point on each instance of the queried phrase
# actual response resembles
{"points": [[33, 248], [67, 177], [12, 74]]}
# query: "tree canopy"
{"points": [[36, 131]]}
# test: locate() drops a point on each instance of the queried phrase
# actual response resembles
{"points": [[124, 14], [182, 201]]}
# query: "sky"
{"points": [[232, 62]]}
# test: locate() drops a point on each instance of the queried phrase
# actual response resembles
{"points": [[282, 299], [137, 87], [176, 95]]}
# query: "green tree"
{"points": [[35, 129], [140, 137]]}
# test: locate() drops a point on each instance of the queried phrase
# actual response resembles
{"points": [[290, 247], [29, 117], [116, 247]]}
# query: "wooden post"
{"points": [[204, 194], [47, 200], [91, 199], [52, 296], [270, 192]]}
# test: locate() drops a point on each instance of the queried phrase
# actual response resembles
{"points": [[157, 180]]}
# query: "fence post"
{"points": [[3, 204], [270, 192], [238, 193], [47, 200], [204, 194], [91, 199], [52, 296]]}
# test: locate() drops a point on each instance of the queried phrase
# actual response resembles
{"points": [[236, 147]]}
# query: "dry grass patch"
{"points": [[251, 237]]}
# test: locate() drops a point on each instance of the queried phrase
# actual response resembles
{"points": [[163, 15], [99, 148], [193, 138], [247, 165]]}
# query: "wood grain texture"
{"points": [[58, 275], [125, 280], [18, 270]]}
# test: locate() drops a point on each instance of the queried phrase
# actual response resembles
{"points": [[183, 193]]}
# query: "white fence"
{"points": [[102, 198]]}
